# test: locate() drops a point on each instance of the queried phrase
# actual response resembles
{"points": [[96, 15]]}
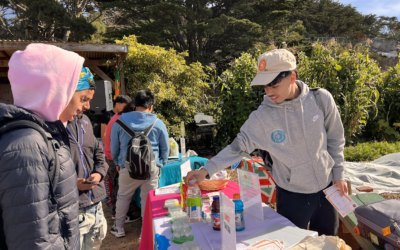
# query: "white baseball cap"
{"points": [[271, 63]]}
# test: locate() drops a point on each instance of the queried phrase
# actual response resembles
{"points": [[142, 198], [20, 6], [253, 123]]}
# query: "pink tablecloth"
{"points": [[154, 208]]}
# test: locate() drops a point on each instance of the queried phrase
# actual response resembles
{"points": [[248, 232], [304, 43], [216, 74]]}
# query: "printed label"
{"points": [[239, 221], [194, 212], [216, 220], [374, 239]]}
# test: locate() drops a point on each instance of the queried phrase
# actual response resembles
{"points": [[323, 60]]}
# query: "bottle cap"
{"points": [[216, 198], [236, 196]]}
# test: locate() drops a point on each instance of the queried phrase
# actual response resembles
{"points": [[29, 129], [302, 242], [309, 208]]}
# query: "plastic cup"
{"points": [[171, 203], [182, 234], [191, 245], [178, 216], [174, 210]]}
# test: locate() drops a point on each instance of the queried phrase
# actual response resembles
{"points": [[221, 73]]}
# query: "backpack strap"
{"points": [[149, 129], [318, 99], [126, 128], [54, 162]]}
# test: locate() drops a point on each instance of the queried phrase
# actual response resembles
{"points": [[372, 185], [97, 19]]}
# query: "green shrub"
{"points": [[179, 88], [350, 76], [237, 99], [370, 151]]}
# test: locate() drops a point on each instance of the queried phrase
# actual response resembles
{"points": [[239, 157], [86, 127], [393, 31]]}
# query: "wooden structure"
{"points": [[97, 57]]}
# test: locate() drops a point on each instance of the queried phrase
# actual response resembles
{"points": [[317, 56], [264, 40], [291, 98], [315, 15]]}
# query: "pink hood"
{"points": [[43, 79]]}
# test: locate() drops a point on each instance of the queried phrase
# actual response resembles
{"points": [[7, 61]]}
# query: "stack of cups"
{"points": [[182, 232], [191, 245]]}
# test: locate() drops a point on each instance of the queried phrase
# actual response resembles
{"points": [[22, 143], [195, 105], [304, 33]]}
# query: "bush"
{"points": [[179, 88], [370, 151], [351, 78], [386, 125], [237, 97]]}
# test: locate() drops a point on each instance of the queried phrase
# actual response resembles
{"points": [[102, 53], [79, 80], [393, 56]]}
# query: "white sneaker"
{"points": [[117, 232]]}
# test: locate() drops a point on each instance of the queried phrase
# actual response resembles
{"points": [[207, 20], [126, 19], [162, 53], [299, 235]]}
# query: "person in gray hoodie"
{"points": [[305, 142]]}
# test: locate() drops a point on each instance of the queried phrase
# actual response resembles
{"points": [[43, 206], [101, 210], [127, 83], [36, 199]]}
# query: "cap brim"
{"points": [[264, 78]]}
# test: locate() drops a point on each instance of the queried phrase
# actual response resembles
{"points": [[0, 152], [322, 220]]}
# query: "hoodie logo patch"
{"points": [[278, 136], [315, 118]]}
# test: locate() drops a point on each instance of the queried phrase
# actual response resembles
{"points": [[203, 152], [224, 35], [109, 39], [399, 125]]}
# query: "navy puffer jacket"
{"points": [[28, 219]]}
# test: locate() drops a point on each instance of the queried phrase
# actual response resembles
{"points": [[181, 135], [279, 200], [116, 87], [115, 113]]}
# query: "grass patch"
{"points": [[370, 151]]}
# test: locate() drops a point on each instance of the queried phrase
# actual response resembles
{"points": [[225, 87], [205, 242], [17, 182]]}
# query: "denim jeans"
{"points": [[92, 226]]}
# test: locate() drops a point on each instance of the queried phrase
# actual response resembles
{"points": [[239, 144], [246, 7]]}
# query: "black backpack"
{"points": [[52, 146], [265, 154], [139, 155]]}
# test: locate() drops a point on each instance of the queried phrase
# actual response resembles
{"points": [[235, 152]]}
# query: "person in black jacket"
{"points": [[43, 79], [88, 157]]}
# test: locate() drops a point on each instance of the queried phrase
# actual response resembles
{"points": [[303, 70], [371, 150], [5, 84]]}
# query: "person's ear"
{"points": [[151, 108], [293, 78]]}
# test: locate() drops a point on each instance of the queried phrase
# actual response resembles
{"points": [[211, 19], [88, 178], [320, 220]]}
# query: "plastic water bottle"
{"points": [[206, 209], [239, 218], [193, 203]]}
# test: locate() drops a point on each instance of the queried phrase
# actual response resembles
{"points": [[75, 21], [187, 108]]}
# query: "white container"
{"points": [[199, 118]]}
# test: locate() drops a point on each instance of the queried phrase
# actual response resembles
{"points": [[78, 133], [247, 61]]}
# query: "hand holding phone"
{"points": [[90, 182]]}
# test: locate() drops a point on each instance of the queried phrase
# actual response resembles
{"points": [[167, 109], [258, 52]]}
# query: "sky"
{"points": [[378, 7]]}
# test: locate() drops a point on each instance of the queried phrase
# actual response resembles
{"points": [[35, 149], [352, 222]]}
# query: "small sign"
{"points": [[228, 227], [250, 193]]}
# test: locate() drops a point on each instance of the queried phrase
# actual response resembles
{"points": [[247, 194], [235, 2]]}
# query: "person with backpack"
{"points": [[305, 143], [139, 147], [91, 168], [111, 180], [38, 186]]}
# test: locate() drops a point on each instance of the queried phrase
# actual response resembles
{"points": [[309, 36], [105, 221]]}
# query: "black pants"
{"points": [[302, 209]]}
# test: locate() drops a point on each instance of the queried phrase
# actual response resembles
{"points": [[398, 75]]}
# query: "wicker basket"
{"points": [[213, 185]]}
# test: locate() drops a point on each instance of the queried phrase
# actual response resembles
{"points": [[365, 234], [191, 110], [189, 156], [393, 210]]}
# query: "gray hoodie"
{"points": [[307, 150]]}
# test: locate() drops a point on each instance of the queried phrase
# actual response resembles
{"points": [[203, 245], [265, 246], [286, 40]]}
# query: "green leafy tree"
{"points": [[350, 76], [179, 88], [208, 30], [48, 20], [237, 98]]}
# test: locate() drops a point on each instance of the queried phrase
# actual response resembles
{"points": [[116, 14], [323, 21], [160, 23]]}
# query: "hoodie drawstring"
{"points": [[287, 127]]}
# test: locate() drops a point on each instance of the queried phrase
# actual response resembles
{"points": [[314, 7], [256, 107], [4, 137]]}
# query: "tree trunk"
{"points": [[67, 32]]}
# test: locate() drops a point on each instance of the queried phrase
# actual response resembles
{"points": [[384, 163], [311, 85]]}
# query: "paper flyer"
{"points": [[228, 226], [250, 193], [343, 204]]}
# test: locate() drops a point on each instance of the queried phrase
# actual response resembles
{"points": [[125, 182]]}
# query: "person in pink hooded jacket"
{"points": [[44, 81]]}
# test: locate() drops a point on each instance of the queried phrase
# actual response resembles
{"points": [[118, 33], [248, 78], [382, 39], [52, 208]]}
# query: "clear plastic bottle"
{"points": [[193, 203], [239, 218], [206, 209]]}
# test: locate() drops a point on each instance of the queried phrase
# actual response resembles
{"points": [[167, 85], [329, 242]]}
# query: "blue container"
{"points": [[239, 218]]}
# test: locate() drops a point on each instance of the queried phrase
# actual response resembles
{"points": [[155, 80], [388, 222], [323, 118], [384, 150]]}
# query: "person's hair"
{"points": [[128, 107], [122, 99], [281, 76], [144, 99]]}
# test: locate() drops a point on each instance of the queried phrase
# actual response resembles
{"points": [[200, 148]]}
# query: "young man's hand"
{"points": [[198, 175], [342, 187], [118, 168], [95, 177], [83, 187]]}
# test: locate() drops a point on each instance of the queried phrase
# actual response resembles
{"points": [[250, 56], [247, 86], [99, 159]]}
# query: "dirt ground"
{"points": [[130, 241]]}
